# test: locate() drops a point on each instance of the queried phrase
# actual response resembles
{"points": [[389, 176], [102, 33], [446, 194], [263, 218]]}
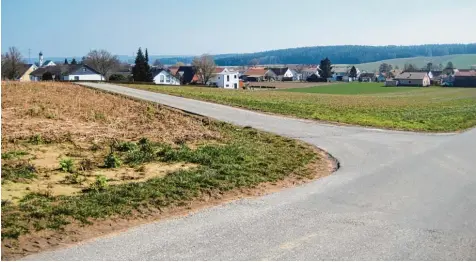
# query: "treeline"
{"points": [[345, 54]]}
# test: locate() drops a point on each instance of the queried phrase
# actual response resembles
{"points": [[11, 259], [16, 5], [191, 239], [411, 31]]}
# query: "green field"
{"points": [[350, 89], [424, 109], [459, 61]]}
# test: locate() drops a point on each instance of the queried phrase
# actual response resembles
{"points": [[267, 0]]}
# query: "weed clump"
{"points": [[67, 165], [112, 161]]}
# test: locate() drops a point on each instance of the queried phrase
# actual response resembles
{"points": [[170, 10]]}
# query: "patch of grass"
{"points": [[245, 159], [421, 109], [21, 172], [13, 154]]}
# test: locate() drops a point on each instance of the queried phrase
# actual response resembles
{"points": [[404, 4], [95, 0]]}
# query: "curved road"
{"points": [[397, 196]]}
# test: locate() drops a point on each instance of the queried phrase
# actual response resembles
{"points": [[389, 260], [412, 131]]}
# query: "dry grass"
{"points": [[59, 111]]}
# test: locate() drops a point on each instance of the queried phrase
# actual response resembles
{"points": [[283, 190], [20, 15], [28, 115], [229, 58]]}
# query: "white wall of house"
{"points": [[165, 78], [288, 73], [88, 77], [228, 80]]}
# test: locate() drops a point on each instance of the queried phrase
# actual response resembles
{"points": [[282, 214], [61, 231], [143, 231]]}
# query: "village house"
{"points": [[79, 72], [465, 78], [367, 77], [310, 71], [258, 74], [284, 73], [42, 63], [186, 75], [413, 79], [228, 80], [25, 71], [164, 77]]}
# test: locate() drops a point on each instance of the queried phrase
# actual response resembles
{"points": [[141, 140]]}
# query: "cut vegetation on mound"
{"points": [[424, 109], [73, 156]]}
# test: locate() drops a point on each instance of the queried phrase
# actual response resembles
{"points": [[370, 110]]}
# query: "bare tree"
{"points": [[253, 62], [158, 64], [102, 61], [12, 63], [204, 67]]}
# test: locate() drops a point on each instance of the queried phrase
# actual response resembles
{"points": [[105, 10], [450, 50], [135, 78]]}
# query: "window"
{"points": [[235, 76], [227, 85], [84, 69], [167, 79], [161, 77], [228, 78], [409, 82], [76, 77]]}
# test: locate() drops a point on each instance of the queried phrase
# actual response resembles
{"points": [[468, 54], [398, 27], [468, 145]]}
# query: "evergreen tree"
{"points": [[65, 61], [141, 70], [73, 62], [138, 71], [148, 77], [353, 72], [325, 68]]}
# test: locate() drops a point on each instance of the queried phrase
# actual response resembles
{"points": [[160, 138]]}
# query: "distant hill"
{"points": [[345, 54], [341, 54], [459, 61]]}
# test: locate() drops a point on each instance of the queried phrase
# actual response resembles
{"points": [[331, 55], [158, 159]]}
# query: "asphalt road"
{"points": [[397, 196]]}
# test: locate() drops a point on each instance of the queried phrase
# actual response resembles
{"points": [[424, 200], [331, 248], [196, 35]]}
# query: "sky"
{"points": [[191, 27]]}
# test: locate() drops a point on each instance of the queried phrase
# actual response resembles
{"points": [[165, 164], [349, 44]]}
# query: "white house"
{"points": [[79, 72], [42, 63], [228, 80], [307, 72], [164, 77], [82, 72]]}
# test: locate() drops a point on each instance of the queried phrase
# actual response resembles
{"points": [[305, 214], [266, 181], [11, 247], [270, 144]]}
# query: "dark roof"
{"points": [[23, 69], [412, 75], [188, 73], [367, 75], [61, 69], [436, 73], [279, 71], [156, 71]]}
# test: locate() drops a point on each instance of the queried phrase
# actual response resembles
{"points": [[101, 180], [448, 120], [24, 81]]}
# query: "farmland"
{"points": [[351, 89], [459, 61], [75, 160], [423, 109]]}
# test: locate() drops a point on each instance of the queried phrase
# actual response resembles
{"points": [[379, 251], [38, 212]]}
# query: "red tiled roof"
{"points": [[219, 69], [466, 73], [256, 71]]}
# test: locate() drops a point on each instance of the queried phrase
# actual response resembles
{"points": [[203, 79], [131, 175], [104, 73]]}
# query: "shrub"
{"points": [[67, 165], [117, 77], [100, 184], [36, 139], [126, 146], [112, 161]]}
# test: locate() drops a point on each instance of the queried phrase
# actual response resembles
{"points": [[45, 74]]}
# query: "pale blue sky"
{"points": [[189, 27]]}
